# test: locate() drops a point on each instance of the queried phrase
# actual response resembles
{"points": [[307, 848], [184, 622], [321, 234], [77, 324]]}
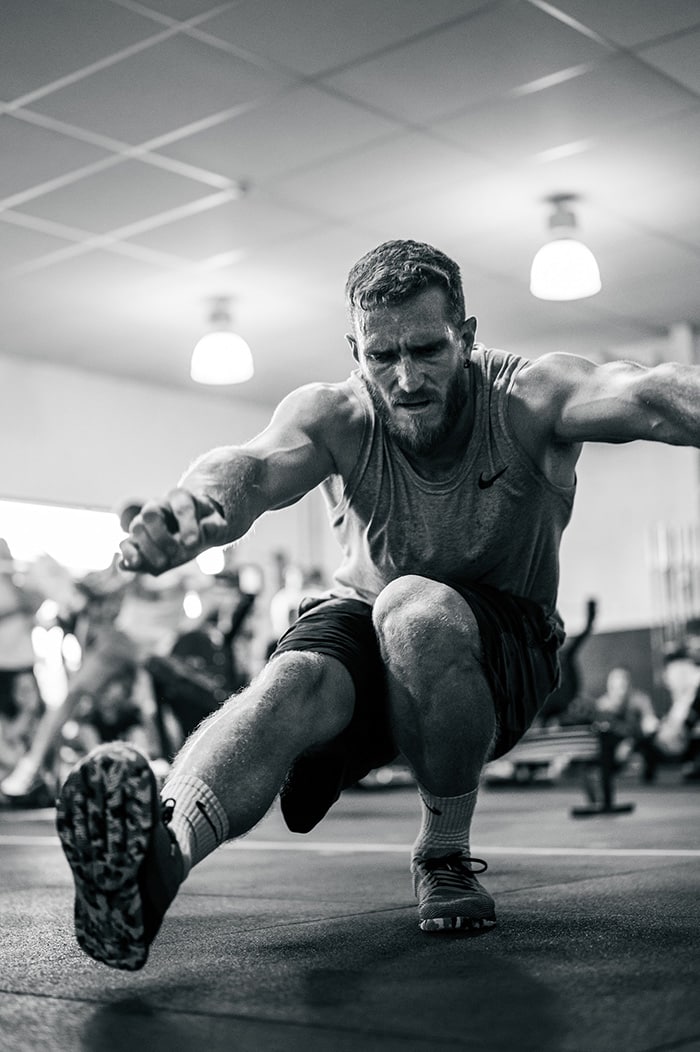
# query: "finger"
{"points": [[210, 516], [133, 560], [185, 513], [159, 548], [130, 556]]}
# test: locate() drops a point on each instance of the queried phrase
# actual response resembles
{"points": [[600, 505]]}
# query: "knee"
{"points": [[311, 693], [425, 618]]}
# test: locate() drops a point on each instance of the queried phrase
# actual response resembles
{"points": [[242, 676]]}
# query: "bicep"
{"points": [[293, 454], [601, 403]]}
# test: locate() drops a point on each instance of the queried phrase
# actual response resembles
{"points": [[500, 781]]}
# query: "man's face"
{"points": [[412, 358]]}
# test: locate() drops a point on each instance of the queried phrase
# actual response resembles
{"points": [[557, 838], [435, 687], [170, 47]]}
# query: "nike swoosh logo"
{"points": [[484, 482], [433, 810]]}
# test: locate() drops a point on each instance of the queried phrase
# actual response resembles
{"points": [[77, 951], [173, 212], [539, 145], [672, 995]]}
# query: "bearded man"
{"points": [[449, 474]]}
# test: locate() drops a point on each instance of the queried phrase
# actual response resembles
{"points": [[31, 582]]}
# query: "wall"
{"points": [[622, 492]]}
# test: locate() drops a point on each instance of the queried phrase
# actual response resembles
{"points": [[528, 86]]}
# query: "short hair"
{"points": [[398, 270]]}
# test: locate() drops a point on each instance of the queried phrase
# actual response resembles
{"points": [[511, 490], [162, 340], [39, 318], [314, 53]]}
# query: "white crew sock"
{"points": [[445, 824], [198, 819]]}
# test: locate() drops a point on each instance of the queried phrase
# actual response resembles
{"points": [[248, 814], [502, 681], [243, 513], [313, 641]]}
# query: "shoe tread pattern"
{"points": [[105, 816]]}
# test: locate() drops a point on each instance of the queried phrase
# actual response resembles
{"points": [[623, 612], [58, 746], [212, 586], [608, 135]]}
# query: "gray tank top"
{"points": [[498, 520]]}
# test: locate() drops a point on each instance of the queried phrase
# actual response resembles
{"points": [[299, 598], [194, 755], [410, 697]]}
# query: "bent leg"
{"points": [[444, 722], [442, 710]]}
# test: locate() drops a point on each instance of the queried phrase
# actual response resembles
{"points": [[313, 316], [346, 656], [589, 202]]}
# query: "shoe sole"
{"points": [[439, 924], [104, 818]]}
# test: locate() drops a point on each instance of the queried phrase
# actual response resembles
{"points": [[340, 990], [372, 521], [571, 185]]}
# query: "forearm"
{"points": [[671, 393], [231, 477]]}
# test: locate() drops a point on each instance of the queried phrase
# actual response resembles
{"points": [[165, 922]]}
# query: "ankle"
{"points": [[194, 817], [445, 824]]}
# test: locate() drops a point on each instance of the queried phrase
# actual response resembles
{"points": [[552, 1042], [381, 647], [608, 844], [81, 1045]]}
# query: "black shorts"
{"points": [[520, 656]]}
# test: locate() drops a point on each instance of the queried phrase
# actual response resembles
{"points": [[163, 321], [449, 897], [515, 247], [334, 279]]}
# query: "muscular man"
{"points": [[448, 471]]}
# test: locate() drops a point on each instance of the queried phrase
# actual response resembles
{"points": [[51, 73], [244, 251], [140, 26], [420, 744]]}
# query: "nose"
{"points": [[409, 377]]}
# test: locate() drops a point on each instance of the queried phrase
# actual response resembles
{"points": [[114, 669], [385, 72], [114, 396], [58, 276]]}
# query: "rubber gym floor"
{"points": [[282, 943]]}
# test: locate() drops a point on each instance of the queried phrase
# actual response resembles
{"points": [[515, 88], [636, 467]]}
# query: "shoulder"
{"points": [[329, 414], [551, 377], [320, 406], [539, 394], [545, 387]]}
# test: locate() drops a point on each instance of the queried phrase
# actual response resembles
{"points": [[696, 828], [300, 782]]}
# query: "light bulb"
{"points": [[221, 358], [564, 269]]}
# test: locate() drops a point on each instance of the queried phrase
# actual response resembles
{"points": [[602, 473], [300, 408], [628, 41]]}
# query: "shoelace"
{"points": [[451, 870]]}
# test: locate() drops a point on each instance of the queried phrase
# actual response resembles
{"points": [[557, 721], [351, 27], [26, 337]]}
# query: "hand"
{"points": [[171, 532]]}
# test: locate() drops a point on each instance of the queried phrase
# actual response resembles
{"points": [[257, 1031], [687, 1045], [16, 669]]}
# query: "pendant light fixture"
{"points": [[564, 268], [222, 356]]}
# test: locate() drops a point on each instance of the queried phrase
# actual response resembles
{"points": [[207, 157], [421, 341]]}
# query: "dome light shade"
{"points": [[564, 268], [222, 356]]}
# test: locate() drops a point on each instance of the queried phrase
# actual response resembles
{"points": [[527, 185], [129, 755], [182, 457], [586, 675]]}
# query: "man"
{"points": [[448, 471], [629, 715]]}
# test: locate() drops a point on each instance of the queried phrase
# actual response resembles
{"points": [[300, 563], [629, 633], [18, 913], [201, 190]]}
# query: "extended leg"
{"points": [[129, 857], [444, 723]]}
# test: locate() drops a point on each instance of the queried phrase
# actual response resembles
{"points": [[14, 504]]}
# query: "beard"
{"points": [[418, 436]]}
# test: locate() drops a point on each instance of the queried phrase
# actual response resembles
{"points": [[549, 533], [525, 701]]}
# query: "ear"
{"points": [[468, 332], [353, 346]]}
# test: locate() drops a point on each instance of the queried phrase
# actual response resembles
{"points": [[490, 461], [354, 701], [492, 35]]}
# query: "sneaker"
{"points": [[449, 895], [126, 863]]}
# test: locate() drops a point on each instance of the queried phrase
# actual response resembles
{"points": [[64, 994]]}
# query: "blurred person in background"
{"points": [[119, 620], [629, 714], [21, 705], [678, 736]]}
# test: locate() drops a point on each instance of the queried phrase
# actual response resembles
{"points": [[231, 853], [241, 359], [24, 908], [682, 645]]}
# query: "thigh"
{"points": [[342, 629], [520, 656]]}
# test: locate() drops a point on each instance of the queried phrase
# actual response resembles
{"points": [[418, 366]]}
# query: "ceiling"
{"points": [[157, 155]]}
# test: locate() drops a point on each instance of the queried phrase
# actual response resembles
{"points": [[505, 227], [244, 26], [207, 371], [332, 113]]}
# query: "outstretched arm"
{"points": [[222, 494], [616, 402]]}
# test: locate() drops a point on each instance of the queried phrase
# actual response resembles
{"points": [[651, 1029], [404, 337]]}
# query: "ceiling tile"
{"points": [[646, 175], [19, 245], [617, 93], [181, 9], [127, 192], [329, 252], [156, 91], [481, 220], [631, 22], [283, 134], [241, 225], [509, 317], [42, 40], [321, 34], [80, 287], [651, 283], [679, 58], [406, 167], [485, 56], [32, 155]]}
